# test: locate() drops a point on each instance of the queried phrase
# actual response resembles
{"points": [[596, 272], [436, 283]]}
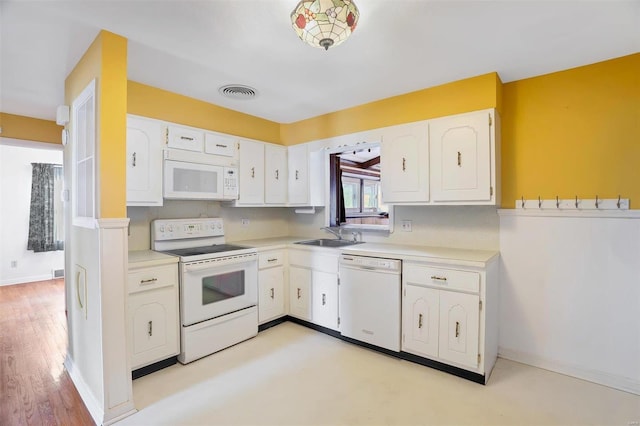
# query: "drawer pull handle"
{"points": [[186, 138], [253, 172], [457, 329], [299, 293], [435, 277], [419, 320], [272, 295], [404, 164], [324, 299], [134, 159], [219, 145], [296, 175], [459, 159], [150, 329], [149, 281], [272, 260], [277, 174]]}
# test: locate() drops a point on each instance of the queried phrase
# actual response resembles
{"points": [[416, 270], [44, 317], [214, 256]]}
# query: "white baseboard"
{"points": [[24, 280], [95, 408], [614, 381]]}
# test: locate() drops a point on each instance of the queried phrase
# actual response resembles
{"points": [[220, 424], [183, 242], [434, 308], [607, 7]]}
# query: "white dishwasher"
{"points": [[369, 302]]}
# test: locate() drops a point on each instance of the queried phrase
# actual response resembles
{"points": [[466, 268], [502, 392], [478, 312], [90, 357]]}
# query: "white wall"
{"points": [[15, 196], [570, 295]]}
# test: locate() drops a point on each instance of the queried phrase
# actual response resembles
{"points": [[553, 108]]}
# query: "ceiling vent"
{"points": [[238, 91]]}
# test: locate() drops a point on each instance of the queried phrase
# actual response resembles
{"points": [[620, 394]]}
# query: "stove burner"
{"points": [[195, 251]]}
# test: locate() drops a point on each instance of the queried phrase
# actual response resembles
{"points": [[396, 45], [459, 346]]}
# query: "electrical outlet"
{"points": [[245, 222], [406, 226], [14, 263]]}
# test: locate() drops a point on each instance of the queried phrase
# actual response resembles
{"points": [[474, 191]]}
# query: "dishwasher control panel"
{"points": [[370, 262]]}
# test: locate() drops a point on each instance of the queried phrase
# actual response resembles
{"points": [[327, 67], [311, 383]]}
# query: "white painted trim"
{"points": [[618, 382], [25, 280], [112, 223], [605, 214], [86, 395]]}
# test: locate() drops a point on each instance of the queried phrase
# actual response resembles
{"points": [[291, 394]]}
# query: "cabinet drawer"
{"points": [[270, 258], [314, 260], [217, 144], [185, 138], [444, 278], [144, 279]]}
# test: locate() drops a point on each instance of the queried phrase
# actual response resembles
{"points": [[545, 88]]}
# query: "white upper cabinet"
{"points": [[251, 173], [462, 160], [306, 176], [220, 144], [299, 174], [404, 163], [186, 138], [145, 139], [275, 179]]}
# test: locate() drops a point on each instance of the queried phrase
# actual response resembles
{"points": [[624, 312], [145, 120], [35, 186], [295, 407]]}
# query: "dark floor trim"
{"points": [[465, 374], [156, 366]]}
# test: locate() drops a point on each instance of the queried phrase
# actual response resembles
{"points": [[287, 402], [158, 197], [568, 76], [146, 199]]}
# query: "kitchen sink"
{"points": [[328, 242]]}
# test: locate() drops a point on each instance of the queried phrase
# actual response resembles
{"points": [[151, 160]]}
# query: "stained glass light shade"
{"points": [[324, 23]]}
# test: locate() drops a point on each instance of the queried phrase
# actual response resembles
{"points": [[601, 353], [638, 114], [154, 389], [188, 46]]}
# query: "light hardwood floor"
{"points": [[35, 389]]}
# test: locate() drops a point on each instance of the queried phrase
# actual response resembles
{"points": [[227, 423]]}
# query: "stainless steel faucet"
{"points": [[355, 235], [337, 232]]}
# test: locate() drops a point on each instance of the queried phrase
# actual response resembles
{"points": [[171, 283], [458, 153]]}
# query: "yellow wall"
{"points": [[156, 103], [106, 61], [30, 129], [574, 132], [452, 98]]}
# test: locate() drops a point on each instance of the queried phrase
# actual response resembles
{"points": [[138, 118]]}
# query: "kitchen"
{"points": [[477, 227]]}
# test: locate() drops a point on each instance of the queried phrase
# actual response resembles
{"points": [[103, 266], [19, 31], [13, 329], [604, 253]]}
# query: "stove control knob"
{"points": [[170, 228], [162, 228], [219, 225]]}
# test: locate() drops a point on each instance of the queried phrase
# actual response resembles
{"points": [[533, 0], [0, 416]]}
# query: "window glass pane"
{"points": [[351, 193], [370, 199]]}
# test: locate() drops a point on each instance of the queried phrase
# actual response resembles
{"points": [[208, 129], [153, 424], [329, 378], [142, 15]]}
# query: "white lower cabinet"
{"points": [[271, 286], [324, 299], [313, 280], [442, 315], [300, 292], [153, 314]]}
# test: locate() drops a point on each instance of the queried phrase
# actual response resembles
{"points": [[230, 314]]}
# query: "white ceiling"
{"points": [[194, 47]]}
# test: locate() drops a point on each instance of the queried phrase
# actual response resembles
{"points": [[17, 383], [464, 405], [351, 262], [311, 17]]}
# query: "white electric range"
{"points": [[218, 284]]}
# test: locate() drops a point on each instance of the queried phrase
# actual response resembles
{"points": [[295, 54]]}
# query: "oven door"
{"points": [[215, 287]]}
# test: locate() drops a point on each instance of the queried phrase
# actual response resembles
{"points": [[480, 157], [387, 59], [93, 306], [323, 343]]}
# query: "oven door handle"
{"points": [[208, 265]]}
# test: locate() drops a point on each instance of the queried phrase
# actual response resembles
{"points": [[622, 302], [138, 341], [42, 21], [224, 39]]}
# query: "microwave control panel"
{"points": [[230, 190]]}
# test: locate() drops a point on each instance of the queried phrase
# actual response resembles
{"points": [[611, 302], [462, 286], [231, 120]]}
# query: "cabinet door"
{"points": [[300, 292], [298, 174], [325, 299], [251, 173], [271, 294], [461, 160], [144, 162], [275, 158], [154, 325], [459, 328], [404, 163], [420, 318]]}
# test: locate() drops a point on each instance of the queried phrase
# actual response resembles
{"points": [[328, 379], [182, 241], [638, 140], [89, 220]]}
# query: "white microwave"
{"points": [[188, 180]]}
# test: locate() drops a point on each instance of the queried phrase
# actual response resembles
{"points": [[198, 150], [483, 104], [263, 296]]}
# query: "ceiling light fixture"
{"points": [[324, 23]]}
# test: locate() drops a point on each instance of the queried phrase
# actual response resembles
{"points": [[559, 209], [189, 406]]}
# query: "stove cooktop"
{"points": [[212, 249]]}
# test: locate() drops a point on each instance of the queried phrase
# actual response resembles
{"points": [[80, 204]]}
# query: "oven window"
{"points": [[221, 287]]}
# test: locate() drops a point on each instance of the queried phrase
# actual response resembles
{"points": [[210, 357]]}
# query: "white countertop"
{"points": [[148, 258], [406, 252]]}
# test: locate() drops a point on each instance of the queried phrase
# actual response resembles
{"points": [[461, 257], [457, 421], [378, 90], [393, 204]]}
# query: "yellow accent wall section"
{"points": [[452, 98], [156, 103], [574, 132], [30, 129], [106, 61]]}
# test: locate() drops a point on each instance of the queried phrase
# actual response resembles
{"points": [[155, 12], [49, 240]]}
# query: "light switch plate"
{"points": [[406, 226]]}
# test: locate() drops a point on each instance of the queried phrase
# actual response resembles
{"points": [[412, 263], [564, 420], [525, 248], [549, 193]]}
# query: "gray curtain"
{"points": [[45, 218]]}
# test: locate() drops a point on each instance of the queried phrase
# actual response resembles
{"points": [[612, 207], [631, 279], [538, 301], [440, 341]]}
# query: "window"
{"points": [[84, 142]]}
